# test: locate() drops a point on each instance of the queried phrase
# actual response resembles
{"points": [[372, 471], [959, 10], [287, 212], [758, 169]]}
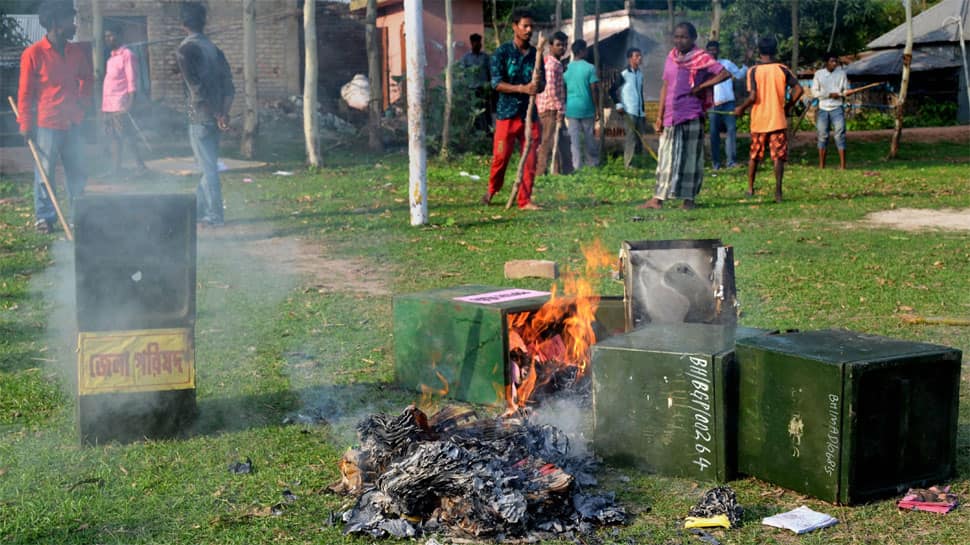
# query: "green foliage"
{"points": [[870, 120], [859, 21], [935, 114]]}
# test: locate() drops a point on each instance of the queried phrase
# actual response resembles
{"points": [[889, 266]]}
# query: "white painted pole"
{"points": [[963, 51], [417, 152]]}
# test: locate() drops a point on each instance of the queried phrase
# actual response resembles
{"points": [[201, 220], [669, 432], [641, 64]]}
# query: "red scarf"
{"points": [[694, 61]]}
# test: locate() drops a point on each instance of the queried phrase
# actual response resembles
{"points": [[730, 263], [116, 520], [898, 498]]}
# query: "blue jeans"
{"points": [[51, 144], [835, 118], [208, 195], [729, 123]]}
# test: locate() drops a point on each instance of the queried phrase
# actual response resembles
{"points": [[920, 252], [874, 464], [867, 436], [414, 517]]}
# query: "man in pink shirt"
{"points": [[120, 84]]}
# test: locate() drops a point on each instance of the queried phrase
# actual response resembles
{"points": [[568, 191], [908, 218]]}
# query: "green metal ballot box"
{"points": [[847, 417], [454, 341], [665, 399]]}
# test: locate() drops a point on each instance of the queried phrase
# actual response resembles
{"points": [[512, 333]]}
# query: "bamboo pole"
{"points": [[44, 178], [449, 84], [528, 123], [311, 130], [417, 151], [250, 113]]}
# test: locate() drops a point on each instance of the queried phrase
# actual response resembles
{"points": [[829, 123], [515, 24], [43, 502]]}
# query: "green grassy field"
{"points": [[294, 300]]}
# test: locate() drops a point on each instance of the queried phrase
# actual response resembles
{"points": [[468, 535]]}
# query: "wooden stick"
{"points": [[43, 176], [540, 65], [851, 92], [643, 142], [915, 319], [554, 165], [140, 134]]}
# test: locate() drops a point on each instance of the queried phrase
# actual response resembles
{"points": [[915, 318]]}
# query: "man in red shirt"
{"points": [[55, 87]]}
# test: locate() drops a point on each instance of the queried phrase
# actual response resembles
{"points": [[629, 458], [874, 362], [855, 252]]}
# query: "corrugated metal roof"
{"points": [[928, 27], [890, 62]]}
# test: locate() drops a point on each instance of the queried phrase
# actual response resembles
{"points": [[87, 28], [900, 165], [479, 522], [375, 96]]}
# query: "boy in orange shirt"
{"points": [[768, 84]]}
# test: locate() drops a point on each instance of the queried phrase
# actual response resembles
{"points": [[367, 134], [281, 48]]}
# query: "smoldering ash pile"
{"points": [[458, 475]]}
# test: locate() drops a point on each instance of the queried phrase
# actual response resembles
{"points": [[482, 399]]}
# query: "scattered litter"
{"points": [[707, 522], [933, 499], [705, 537], [289, 497], [137, 276], [636, 219], [801, 520], [475, 177], [247, 180], [464, 173], [242, 468], [718, 507], [283, 173]]}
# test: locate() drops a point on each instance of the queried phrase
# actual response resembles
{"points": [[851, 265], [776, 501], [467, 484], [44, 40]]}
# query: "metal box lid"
{"points": [[680, 338], [840, 346]]}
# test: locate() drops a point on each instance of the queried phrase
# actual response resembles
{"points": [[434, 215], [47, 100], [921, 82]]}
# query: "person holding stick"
{"points": [[551, 104], [120, 84], [829, 86], [688, 77], [513, 64], [56, 78]]}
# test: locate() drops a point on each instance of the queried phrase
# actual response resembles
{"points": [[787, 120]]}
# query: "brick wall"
{"points": [[277, 43]]}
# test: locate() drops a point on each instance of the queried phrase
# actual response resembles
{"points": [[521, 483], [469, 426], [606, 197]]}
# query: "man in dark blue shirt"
{"points": [[512, 66]]}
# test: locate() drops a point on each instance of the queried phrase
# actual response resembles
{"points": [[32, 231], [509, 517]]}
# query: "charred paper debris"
{"points": [[459, 475]]}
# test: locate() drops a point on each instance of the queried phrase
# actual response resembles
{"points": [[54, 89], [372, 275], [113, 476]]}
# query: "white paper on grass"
{"points": [[801, 520]]}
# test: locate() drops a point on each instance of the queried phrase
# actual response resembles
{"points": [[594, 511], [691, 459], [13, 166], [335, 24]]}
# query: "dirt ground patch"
{"points": [[296, 255], [915, 219]]}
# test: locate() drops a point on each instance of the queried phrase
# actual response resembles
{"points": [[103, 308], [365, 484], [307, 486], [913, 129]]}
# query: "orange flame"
{"points": [[430, 396], [558, 335]]}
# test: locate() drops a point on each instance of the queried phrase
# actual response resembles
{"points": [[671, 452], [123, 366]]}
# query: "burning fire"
{"points": [[553, 343]]}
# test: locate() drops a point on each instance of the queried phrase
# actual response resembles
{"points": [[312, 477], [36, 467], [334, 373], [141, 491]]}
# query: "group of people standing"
{"points": [[55, 91], [563, 96], [697, 86]]}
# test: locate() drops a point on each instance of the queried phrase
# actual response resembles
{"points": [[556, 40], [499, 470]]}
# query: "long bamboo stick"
{"points": [[43, 177], [528, 122]]}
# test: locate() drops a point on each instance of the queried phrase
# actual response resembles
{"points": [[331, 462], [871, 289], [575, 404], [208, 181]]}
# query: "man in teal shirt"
{"points": [[581, 111]]}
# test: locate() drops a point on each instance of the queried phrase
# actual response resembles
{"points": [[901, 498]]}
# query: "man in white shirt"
{"points": [[829, 86], [724, 102]]}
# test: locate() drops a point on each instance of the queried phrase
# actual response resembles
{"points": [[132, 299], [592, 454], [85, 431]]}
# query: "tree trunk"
{"points": [[311, 131], [251, 115], [835, 25], [904, 84], [374, 141], [599, 86], [716, 20], [670, 17], [579, 14], [449, 84], [417, 153], [97, 51], [558, 21], [628, 4], [498, 40], [794, 36]]}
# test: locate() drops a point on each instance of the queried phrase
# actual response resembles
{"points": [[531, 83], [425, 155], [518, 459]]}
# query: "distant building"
{"points": [[937, 64], [467, 19], [153, 29]]}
